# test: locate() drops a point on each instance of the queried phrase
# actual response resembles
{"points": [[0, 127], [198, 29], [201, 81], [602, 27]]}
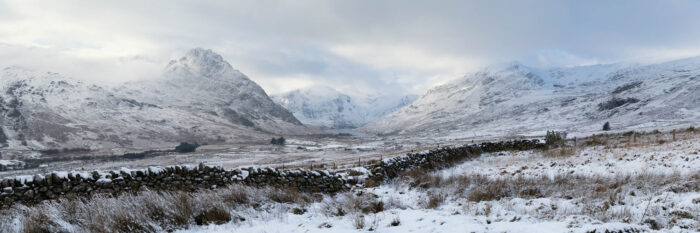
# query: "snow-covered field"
{"points": [[636, 188], [299, 151], [648, 184]]}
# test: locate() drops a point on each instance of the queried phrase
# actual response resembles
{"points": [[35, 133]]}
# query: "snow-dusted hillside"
{"points": [[200, 98], [203, 82], [515, 99], [328, 108]]}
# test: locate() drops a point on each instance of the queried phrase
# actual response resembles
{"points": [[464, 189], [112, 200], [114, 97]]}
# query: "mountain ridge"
{"points": [[42, 110], [329, 108], [517, 99]]}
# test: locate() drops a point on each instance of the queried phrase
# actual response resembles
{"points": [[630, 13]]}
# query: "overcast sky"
{"points": [[354, 45]]}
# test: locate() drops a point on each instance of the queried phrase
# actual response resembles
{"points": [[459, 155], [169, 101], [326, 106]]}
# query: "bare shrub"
{"points": [[359, 222], [155, 207], [395, 221], [564, 151], [374, 224], [325, 225], [597, 139], [374, 207], [39, 222], [130, 217], [213, 215], [129, 222], [291, 195], [435, 200], [95, 215], [352, 202], [370, 183], [339, 212], [298, 211], [494, 190], [70, 208], [352, 172], [531, 193], [152, 211], [235, 195], [362, 203], [182, 208], [333, 207]]}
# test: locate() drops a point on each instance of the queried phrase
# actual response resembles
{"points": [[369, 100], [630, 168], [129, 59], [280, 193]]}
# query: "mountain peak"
{"points": [[202, 54], [199, 61], [319, 91], [512, 66]]}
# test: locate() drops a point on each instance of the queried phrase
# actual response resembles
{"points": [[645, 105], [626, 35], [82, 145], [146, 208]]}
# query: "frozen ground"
{"points": [[635, 187], [299, 151], [633, 183]]}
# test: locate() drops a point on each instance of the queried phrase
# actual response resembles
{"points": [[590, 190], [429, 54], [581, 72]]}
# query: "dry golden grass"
{"points": [[564, 151], [435, 200], [148, 211]]}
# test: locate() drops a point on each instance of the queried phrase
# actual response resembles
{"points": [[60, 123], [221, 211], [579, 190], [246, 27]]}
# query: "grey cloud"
{"points": [[275, 40]]}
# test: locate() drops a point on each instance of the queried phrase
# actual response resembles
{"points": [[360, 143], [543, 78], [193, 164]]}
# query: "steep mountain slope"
{"points": [[515, 99], [328, 108], [202, 81], [199, 98]]}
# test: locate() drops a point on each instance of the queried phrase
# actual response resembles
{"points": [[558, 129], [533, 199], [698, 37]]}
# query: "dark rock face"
{"points": [[615, 102], [233, 117], [627, 87]]}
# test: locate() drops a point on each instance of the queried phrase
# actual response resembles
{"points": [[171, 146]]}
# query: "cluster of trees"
{"points": [[186, 147], [3, 137], [278, 141], [554, 138]]}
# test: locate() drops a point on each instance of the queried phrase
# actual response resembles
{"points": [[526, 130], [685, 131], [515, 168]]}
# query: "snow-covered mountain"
{"points": [[203, 82], [200, 97], [328, 108], [515, 99]]}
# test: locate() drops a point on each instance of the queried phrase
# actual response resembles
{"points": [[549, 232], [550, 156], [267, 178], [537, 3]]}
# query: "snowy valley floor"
{"points": [[645, 186]]}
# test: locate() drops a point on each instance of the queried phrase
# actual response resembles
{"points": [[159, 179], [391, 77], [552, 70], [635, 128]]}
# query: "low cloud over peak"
{"points": [[363, 46]]}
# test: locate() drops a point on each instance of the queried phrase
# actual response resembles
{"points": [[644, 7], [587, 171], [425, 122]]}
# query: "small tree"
{"points": [[281, 141], [554, 138], [278, 141], [186, 147], [606, 126]]}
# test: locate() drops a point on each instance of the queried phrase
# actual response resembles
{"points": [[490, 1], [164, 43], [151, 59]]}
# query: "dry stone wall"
{"points": [[29, 190], [37, 188], [444, 157]]}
